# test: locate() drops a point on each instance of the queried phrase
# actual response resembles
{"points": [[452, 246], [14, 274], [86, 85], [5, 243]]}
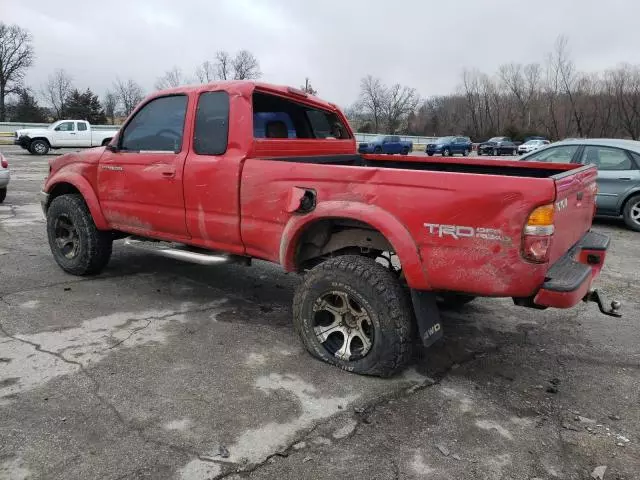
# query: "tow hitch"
{"points": [[612, 310]]}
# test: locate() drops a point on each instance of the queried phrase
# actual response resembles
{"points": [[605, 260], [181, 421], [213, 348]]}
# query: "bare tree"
{"points": [[245, 66], [16, 55], [171, 79], [129, 94], [206, 72], [399, 102], [372, 99], [223, 65], [57, 90], [110, 104]]}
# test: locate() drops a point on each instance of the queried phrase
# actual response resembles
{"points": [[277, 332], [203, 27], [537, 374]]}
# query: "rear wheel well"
{"points": [[626, 200], [341, 236]]}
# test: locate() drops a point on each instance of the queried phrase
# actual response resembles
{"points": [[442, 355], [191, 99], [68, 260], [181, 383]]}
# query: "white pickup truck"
{"points": [[62, 134]]}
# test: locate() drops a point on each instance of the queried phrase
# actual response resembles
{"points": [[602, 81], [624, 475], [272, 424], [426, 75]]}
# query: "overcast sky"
{"points": [[423, 44]]}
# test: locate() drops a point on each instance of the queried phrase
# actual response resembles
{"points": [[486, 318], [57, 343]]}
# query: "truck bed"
{"points": [[457, 165]]}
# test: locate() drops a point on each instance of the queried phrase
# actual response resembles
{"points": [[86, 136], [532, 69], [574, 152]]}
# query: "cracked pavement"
{"points": [[159, 369]]}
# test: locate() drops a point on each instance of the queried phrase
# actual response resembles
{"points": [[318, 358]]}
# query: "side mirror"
{"points": [[111, 147]]}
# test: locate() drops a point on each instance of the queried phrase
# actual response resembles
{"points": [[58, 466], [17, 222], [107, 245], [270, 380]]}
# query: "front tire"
{"points": [[3, 194], [631, 213], [446, 152], [352, 312], [77, 245], [39, 147]]}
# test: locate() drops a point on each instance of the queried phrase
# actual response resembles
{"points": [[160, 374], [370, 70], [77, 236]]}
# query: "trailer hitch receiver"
{"points": [[613, 309]]}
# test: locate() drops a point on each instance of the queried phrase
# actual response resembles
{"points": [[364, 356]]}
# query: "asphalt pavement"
{"points": [[165, 370]]}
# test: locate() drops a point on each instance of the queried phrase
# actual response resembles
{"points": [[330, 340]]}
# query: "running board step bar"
{"points": [[183, 252]]}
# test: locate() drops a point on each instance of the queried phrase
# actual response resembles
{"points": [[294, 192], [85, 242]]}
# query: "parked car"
{"points": [[497, 146], [386, 144], [5, 176], [534, 138], [187, 169], [531, 145], [618, 163], [450, 146], [62, 134]]}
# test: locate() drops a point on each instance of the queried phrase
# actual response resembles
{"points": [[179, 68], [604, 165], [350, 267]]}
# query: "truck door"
{"points": [[83, 134], [65, 134], [140, 184]]}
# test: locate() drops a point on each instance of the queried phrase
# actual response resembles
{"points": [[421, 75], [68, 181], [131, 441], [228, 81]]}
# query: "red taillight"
{"points": [[3, 162], [538, 233]]}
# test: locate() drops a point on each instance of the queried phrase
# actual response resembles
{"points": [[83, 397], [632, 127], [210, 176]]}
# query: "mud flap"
{"points": [[427, 316]]}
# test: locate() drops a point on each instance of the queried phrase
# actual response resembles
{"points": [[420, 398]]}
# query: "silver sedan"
{"points": [[618, 163]]}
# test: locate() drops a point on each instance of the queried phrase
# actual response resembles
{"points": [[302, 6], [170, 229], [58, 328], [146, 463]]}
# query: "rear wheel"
{"points": [[496, 152], [352, 312], [405, 151], [39, 147], [446, 152], [465, 153], [77, 245], [631, 213], [3, 194]]}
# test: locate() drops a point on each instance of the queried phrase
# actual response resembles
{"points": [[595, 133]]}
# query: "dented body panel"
{"points": [[455, 224]]}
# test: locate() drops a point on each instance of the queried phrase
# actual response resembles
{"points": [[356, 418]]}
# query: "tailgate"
{"points": [[574, 208]]}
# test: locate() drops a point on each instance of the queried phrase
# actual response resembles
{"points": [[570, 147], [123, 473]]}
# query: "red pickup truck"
{"points": [[231, 171]]}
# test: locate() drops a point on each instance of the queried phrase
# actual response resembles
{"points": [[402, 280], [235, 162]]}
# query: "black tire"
{"points": [[405, 151], [3, 194], [465, 153], [90, 248], [453, 300], [479, 152], [630, 213], [430, 154], [377, 150], [39, 147], [446, 152], [378, 294], [496, 152]]}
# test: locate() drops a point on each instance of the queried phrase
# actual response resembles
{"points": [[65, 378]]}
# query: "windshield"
{"points": [[53, 125], [534, 142], [443, 140], [496, 139]]}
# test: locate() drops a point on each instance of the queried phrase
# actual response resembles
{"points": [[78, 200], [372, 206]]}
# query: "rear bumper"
{"points": [[569, 280]]}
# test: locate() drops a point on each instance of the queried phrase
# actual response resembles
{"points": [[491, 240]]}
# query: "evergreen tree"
{"points": [[85, 106], [26, 109]]}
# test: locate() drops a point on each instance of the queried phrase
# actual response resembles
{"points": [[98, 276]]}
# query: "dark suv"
{"points": [[497, 146], [450, 146]]}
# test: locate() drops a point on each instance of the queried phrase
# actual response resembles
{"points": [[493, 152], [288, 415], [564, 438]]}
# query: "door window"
{"points": [[158, 126], [606, 158], [66, 127], [561, 154]]}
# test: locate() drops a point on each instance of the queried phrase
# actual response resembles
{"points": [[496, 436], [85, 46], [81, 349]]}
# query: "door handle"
{"points": [[624, 178], [72, 133], [168, 172]]}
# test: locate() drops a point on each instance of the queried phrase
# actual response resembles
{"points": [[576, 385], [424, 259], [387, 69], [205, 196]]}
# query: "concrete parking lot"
{"points": [[159, 369]]}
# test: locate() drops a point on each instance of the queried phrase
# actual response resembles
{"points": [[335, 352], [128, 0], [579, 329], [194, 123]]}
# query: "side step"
{"points": [[183, 252]]}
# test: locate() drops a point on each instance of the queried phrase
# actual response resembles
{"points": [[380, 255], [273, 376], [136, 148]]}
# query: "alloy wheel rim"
{"points": [[40, 148], [66, 237], [635, 212], [342, 326]]}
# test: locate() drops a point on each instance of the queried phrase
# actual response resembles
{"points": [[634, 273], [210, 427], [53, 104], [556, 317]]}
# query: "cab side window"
{"points": [[212, 124], [82, 127], [158, 126]]}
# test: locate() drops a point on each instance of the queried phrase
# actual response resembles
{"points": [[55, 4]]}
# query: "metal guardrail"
{"points": [[8, 129]]}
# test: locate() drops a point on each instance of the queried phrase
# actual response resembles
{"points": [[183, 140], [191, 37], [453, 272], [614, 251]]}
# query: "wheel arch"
{"points": [[359, 225], [69, 184], [628, 196]]}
